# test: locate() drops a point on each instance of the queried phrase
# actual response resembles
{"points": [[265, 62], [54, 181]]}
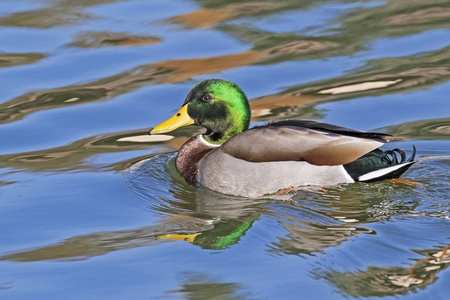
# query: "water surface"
{"points": [[89, 210]]}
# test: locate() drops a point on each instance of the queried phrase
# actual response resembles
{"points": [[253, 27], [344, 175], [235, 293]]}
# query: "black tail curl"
{"points": [[393, 159], [363, 169]]}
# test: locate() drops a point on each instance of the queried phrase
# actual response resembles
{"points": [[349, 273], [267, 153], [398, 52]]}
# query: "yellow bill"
{"points": [[179, 119], [177, 237]]}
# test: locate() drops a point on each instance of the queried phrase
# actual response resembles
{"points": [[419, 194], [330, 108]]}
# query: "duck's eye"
{"points": [[207, 98]]}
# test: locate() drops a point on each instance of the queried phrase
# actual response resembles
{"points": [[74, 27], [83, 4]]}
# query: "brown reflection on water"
{"points": [[423, 130], [404, 81], [56, 13], [397, 74], [92, 39], [45, 17], [75, 156], [403, 74], [313, 238], [356, 30], [186, 68], [385, 70], [300, 47], [109, 87], [264, 106], [385, 75], [386, 281], [205, 17], [16, 59], [327, 217], [421, 16], [101, 89], [397, 18]]}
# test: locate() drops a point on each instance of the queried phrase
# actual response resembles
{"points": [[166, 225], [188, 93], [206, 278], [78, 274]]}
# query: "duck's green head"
{"points": [[218, 105]]}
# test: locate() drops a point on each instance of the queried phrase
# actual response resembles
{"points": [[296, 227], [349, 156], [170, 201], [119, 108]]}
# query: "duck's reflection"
{"points": [[204, 232]]}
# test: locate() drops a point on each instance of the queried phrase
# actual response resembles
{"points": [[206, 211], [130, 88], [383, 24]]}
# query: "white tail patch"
{"points": [[381, 172]]}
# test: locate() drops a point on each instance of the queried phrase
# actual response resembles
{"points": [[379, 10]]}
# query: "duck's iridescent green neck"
{"points": [[225, 128], [225, 115]]}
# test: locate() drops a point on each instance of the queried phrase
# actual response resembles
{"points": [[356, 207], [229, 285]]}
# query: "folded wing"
{"points": [[315, 142]]}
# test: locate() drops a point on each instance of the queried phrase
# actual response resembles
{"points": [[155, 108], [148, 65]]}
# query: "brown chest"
{"points": [[189, 157]]}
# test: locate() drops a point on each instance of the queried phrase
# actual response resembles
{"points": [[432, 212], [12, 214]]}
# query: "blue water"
{"points": [[84, 215]]}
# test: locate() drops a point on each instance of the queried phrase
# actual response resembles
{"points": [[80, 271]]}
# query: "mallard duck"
{"points": [[232, 159]]}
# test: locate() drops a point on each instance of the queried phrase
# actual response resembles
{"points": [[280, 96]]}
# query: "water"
{"points": [[88, 212]]}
